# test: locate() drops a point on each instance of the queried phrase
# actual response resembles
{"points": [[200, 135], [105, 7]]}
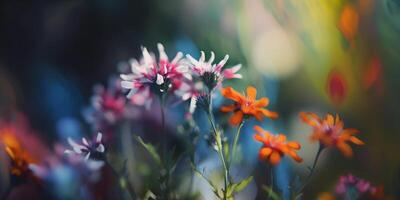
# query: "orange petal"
{"points": [[294, 145], [281, 138], [259, 138], [310, 118], [329, 119], [251, 93], [295, 157], [232, 94], [236, 118], [270, 114], [262, 102], [264, 153], [345, 149], [275, 158], [228, 108], [356, 140]]}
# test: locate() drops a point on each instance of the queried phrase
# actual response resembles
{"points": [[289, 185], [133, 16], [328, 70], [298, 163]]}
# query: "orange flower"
{"points": [[330, 132], [245, 106], [20, 159], [275, 146]]}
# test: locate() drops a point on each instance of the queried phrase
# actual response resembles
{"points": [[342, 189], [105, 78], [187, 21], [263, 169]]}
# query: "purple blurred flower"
{"points": [[87, 149], [352, 183]]}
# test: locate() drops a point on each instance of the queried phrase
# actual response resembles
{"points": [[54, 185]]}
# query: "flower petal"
{"points": [[275, 158], [228, 108], [356, 141], [236, 118], [310, 118], [262, 102], [251, 93], [264, 153], [345, 149]]}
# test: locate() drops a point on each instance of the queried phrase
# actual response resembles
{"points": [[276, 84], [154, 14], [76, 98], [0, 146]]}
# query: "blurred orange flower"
{"points": [[326, 196], [348, 23], [275, 146], [330, 132], [245, 106], [20, 159]]}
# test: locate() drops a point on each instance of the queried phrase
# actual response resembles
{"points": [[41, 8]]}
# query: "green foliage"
{"points": [[150, 149], [271, 193]]}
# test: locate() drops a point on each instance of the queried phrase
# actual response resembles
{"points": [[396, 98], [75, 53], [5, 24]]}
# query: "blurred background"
{"points": [[339, 56]]}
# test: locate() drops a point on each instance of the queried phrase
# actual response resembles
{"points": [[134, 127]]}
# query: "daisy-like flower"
{"points": [[330, 132], [87, 150], [211, 74], [149, 77], [275, 146], [246, 106]]}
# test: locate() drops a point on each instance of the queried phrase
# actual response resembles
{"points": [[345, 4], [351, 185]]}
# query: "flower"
{"points": [[211, 74], [330, 132], [107, 105], [350, 184], [149, 77], [275, 146], [245, 106], [20, 159], [87, 150]]}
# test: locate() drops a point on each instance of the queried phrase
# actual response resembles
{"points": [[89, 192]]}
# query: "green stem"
{"points": [[128, 186], [235, 141], [220, 148], [321, 147]]}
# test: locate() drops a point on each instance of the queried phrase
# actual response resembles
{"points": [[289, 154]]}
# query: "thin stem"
{"points": [[164, 144], [7, 192], [162, 108], [235, 141], [128, 186], [321, 147], [219, 145]]}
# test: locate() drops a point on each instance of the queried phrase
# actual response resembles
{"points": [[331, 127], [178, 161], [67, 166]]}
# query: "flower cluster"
{"points": [[352, 184], [197, 80], [187, 78]]}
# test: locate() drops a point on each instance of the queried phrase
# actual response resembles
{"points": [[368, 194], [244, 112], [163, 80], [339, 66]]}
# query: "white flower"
{"points": [[86, 149]]}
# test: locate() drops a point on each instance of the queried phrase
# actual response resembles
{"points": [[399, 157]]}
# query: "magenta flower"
{"points": [[354, 185], [149, 77]]}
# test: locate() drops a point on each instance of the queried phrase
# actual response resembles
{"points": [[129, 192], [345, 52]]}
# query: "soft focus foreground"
{"points": [[188, 99]]}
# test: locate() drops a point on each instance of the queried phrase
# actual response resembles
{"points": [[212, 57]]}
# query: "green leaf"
{"points": [[243, 184], [271, 193], [151, 150], [201, 175], [237, 187]]}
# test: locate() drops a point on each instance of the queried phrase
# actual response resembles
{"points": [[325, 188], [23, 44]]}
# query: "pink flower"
{"points": [[108, 105], [149, 77], [212, 74], [350, 183]]}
